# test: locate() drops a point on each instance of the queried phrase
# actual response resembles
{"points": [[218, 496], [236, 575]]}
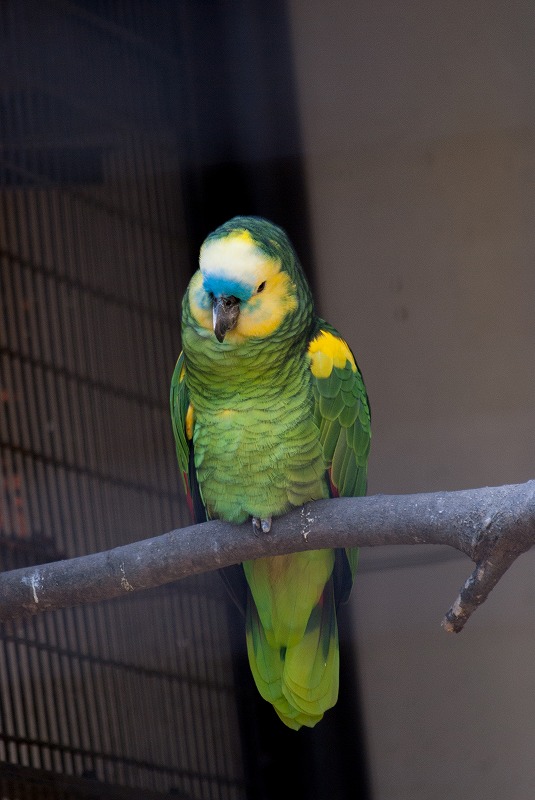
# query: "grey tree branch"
{"points": [[492, 526]]}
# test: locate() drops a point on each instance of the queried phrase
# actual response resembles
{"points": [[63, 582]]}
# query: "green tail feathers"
{"points": [[296, 667]]}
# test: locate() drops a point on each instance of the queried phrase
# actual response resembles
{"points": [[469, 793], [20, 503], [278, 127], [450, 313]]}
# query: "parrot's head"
{"points": [[250, 282]]}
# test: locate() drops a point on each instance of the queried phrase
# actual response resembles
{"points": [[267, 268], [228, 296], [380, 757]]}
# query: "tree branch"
{"points": [[492, 526]]}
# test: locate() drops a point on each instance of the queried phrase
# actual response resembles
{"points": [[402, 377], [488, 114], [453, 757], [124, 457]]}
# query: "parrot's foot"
{"points": [[263, 525]]}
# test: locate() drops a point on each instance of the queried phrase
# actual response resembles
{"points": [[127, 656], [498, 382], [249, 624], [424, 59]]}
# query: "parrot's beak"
{"points": [[225, 315]]}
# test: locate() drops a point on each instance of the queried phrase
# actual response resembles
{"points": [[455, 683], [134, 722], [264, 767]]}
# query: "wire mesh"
{"points": [[138, 692]]}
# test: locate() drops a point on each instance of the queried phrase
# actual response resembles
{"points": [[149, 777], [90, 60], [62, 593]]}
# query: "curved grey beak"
{"points": [[225, 313]]}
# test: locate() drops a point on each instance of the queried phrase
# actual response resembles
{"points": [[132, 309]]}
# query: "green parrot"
{"points": [[269, 411]]}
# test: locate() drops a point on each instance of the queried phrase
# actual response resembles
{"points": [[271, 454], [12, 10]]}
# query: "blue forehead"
{"points": [[221, 286]]}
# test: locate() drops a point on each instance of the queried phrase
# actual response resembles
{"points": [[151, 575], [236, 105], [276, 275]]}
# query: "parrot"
{"points": [[269, 411]]}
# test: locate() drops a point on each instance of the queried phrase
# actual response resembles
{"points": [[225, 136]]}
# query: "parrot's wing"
{"points": [[179, 409], [342, 414], [182, 418]]}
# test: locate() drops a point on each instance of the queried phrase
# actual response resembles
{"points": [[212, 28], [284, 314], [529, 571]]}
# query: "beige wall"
{"points": [[418, 124]]}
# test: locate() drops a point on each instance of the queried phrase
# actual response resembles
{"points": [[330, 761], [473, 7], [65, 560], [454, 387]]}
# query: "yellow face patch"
{"points": [[200, 303], [242, 236], [327, 351], [237, 257], [263, 313]]}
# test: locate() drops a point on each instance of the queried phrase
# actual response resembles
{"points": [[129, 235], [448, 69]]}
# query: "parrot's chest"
{"points": [[256, 453]]}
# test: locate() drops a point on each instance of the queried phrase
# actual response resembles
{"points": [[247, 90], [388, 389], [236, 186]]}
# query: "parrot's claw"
{"points": [[263, 525]]}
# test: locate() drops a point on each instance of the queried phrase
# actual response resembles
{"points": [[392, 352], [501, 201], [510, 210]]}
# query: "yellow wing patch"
{"points": [[190, 422], [328, 351]]}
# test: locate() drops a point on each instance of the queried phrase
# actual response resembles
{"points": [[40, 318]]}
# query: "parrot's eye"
{"points": [[261, 287]]}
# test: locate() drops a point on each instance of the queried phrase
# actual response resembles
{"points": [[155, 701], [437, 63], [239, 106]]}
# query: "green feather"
{"points": [[360, 487], [331, 386], [294, 655], [338, 460], [307, 474], [331, 407], [330, 431], [179, 399], [311, 667], [348, 415], [361, 438]]}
